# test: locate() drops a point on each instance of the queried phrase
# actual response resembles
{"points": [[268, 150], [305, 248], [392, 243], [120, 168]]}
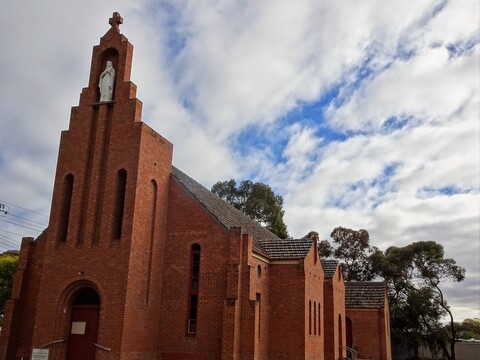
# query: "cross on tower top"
{"points": [[115, 21]]}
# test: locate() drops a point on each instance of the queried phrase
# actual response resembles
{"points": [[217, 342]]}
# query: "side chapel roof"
{"points": [[359, 294], [286, 249], [223, 212], [329, 267]]}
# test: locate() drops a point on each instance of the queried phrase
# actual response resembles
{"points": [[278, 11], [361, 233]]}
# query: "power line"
{"points": [[9, 241], [32, 221], [33, 211], [6, 237], [22, 222], [12, 233], [23, 226], [5, 248]]}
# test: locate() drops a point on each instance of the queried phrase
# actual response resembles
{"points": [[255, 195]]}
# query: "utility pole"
{"points": [[4, 209]]}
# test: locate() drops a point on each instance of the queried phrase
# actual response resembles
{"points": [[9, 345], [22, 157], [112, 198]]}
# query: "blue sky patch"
{"points": [[449, 190], [395, 123], [461, 48]]}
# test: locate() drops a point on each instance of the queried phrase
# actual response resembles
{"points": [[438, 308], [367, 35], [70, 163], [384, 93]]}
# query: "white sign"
{"points": [[78, 327], [40, 354]]}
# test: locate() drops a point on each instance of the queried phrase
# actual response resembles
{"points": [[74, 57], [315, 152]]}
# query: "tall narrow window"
{"points": [[314, 318], [319, 320], [153, 212], [310, 317], [340, 331], [65, 209], [258, 310], [193, 293], [119, 203]]}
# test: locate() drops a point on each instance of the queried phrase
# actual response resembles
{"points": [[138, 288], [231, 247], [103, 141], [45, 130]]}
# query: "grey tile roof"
{"points": [[286, 249], [329, 267], [223, 212], [364, 294]]}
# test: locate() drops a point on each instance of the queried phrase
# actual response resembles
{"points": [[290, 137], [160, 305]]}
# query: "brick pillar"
{"points": [[232, 307]]}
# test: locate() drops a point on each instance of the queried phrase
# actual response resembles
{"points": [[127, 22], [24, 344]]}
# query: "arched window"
{"points": [[119, 203], [194, 287], [309, 317], [65, 209], [258, 312], [340, 331], [314, 318], [319, 320]]}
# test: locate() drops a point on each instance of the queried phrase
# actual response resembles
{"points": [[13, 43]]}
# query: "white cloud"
{"points": [[209, 70], [428, 86]]}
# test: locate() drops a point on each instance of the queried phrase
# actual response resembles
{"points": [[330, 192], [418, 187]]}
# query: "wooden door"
{"points": [[83, 332]]}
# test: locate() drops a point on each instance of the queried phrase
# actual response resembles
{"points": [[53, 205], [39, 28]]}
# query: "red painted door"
{"points": [[83, 332]]}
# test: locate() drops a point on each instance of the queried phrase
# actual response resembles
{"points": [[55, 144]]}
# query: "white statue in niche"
{"points": [[106, 83]]}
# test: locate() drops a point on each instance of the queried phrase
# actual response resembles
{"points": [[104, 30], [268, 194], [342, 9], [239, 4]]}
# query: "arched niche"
{"points": [[110, 54]]}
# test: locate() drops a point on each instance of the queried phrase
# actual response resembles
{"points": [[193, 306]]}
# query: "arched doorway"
{"points": [[349, 332], [83, 325]]}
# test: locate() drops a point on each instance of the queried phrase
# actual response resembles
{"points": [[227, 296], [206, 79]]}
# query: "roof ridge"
{"points": [[226, 214]]}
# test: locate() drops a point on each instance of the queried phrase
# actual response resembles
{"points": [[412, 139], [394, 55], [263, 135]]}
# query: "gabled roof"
{"points": [[286, 249], [223, 212], [329, 267], [360, 294]]}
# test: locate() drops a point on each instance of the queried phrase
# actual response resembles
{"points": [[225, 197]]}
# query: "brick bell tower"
{"points": [[94, 276]]}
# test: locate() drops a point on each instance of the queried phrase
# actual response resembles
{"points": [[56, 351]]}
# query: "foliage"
{"points": [[469, 329], [352, 248], [325, 250], [414, 275], [8, 264], [256, 200], [311, 235]]}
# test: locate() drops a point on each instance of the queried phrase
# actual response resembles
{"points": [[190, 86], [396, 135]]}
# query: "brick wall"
{"points": [[335, 328], [371, 333], [293, 284], [190, 224], [314, 319]]}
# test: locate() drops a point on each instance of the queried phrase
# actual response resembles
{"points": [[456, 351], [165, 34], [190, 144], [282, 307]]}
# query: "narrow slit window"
{"points": [[314, 318], [65, 209], [193, 291], [259, 312], [119, 203], [310, 317], [319, 320]]}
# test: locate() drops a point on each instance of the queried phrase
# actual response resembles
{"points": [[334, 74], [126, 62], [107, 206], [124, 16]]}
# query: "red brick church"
{"points": [[140, 261]]}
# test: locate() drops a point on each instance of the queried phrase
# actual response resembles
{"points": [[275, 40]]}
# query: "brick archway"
{"points": [[83, 329]]}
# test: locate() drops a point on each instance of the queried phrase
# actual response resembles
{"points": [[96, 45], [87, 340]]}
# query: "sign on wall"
{"points": [[40, 354]]}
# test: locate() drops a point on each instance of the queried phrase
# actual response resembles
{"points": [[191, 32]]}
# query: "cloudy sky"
{"points": [[362, 114]]}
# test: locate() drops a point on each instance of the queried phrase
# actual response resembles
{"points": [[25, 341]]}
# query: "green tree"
{"points": [[325, 250], [415, 273], [256, 200], [8, 264], [469, 329], [311, 235], [352, 249]]}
